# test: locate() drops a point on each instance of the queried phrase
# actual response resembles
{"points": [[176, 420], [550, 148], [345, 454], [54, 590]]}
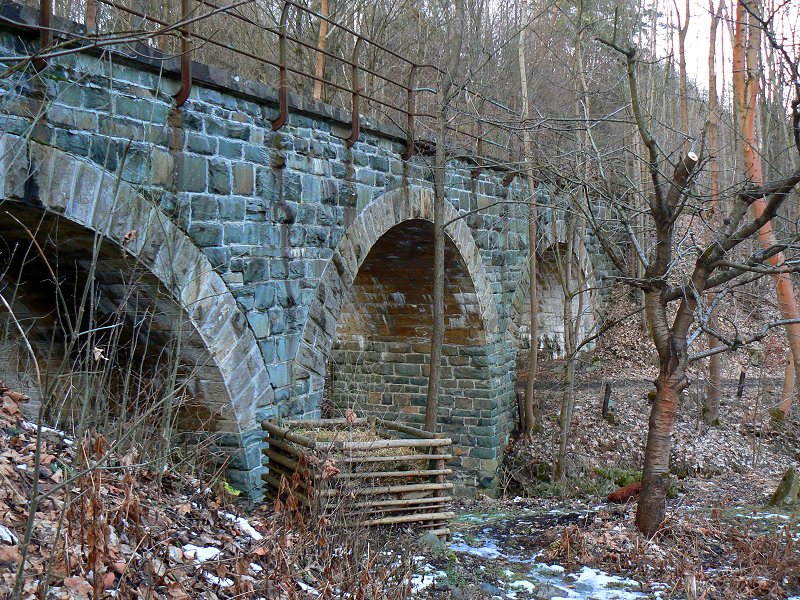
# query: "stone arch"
{"points": [[80, 193], [376, 219], [551, 333]]}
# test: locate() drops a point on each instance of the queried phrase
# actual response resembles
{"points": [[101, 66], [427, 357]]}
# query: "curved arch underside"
{"points": [[43, 178], [381, 352], [127, 315], [375, 220]]}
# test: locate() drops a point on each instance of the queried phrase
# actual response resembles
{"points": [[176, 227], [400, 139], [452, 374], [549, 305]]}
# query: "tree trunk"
{"points": [[683, 29], [746, 48], [533, 410], [437, 336], [788, 385], [652, 507], [443, 98], [713, 389], [322, 43], [671, 381], [565, 416]]}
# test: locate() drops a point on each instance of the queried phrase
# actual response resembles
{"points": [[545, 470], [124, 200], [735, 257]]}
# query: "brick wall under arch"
{"points": [[371, 320]]}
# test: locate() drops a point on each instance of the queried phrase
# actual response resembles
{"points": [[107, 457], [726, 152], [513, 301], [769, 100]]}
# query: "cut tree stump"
{"points": [[609, 405], [788, 489], [376, 472]]}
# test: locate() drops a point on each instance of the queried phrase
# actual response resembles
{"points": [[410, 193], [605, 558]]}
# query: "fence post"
{"points": [[186, 58], [283, 90]]}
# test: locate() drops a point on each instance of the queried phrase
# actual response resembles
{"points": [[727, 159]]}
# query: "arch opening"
{"points": [[551, 298], [108, 336], [379, 362]]}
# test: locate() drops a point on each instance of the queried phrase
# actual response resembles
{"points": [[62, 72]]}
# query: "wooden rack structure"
{"points": [[398, 478]]}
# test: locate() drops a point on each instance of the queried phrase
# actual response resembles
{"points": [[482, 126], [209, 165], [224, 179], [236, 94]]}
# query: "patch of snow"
{"points": [[523, 584], [426, 579], [22, 467], [222, 582], [598, 585], [7, 536], [488, 549], [762, 516], [306, 588], [257, 568], [244, 525], [33, 427], [200, 554]]}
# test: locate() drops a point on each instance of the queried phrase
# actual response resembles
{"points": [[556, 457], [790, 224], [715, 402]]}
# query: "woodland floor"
{"points": [[126, 531]]}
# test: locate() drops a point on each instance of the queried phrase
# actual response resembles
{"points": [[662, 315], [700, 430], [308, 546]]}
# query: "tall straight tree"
{"points": [[444, 94], [713, 387], [532, 421], [746, 81]]}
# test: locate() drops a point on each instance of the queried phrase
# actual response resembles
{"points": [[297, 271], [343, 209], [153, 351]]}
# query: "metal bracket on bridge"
{"points": [[410, 109], [356, 131], [283, 89], [186, 58]]}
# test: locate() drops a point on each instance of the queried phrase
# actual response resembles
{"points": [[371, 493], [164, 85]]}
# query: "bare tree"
{"points": [[713, 388], [673, 298], [533, 410], [444, 95]]}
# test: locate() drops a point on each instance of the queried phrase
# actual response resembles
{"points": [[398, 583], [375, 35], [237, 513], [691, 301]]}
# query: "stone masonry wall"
{"points": [[390, 380]]}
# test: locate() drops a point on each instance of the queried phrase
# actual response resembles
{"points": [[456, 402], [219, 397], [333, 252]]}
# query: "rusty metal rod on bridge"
{"points": [[45, 34], [186, 58], [283, 89], [356, 130], [410, 108]]}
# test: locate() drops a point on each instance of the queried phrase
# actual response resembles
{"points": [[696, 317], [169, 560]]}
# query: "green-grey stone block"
{"points": [[204, 208], [219, 177], [201, 144], [192, 173], [256, 269], [206, 234]]}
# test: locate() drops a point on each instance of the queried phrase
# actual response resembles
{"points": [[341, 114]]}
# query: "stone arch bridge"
{"points": [[287, 259]]}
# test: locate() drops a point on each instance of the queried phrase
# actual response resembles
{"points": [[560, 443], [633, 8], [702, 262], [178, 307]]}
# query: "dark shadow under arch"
{"points": [[381, 352]]}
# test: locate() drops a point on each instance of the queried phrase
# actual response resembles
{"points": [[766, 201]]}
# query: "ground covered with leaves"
{"points": [[541, 549], [106, 525], [111, 524]]}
